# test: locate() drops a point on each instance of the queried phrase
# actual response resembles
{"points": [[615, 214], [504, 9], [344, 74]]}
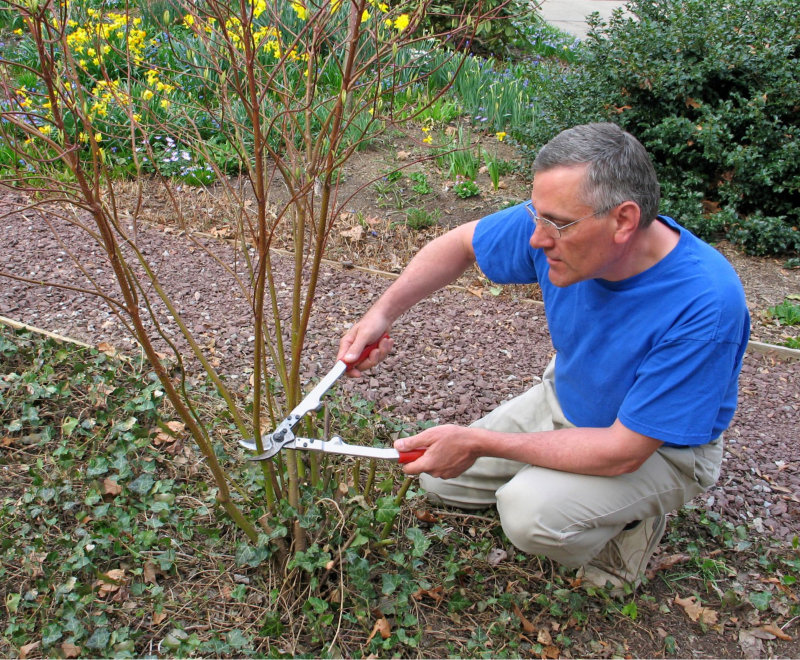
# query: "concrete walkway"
{"points": [[570, 15]]}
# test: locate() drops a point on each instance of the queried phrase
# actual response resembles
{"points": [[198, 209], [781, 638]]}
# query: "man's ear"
{"points": [[627, 217]]}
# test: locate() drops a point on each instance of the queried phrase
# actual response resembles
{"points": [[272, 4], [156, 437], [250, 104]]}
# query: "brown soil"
{"points": [[457, 356]]}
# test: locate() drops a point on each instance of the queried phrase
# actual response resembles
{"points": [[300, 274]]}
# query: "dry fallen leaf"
{"points": [[695, 611], [355, 233], [176, 429], [774, 630], [381, 626], [423, 515], [527, 626], [110, 582], [108, 349], [158, 617], [661, 562], [111, 487], [751, 646], [436, 594], [24, 651], [150, 573], [496, 556], [551, 651], [69, 650]]}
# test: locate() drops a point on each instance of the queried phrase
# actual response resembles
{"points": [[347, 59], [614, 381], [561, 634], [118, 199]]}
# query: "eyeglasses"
{"points": [[551, 228]]}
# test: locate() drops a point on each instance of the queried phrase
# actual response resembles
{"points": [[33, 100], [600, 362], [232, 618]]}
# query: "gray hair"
{"points": [[619, 168]]}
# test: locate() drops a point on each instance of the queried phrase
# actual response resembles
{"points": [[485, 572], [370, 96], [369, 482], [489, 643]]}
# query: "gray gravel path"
{"points": [[457, 355]]}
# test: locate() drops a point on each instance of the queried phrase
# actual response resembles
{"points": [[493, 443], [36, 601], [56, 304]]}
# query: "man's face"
{"points": [[586, 249]]}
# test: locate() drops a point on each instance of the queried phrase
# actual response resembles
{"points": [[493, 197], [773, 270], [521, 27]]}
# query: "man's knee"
{"points": [[535, 522]]}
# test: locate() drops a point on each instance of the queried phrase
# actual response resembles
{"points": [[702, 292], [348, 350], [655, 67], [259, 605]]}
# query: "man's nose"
{"points": [[540, 237]]}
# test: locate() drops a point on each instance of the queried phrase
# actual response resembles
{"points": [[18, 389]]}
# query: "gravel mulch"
{"points": [[457, 355]]}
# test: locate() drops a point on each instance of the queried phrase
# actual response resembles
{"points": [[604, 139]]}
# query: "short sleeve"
{"points": [[502, 247]]}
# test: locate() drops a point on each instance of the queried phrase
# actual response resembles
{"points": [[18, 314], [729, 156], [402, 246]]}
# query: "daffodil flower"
{"points": [[500, 135], [401, 22], [300, 10]]}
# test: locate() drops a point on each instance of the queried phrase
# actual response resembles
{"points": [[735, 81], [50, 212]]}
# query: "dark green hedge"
{"points": [[712, 88]]}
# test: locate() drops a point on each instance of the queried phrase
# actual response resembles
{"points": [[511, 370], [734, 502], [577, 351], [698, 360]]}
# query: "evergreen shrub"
{"points": [[712, 89]]}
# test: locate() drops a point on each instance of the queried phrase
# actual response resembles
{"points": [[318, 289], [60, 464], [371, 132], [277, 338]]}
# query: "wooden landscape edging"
{"points": [[752, 346]]}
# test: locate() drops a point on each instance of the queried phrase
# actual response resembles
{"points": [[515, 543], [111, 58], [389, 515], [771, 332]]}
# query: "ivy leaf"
{"points": [[142, 484], [421, 543], [99, 639], [760, 600], [68, 426]]}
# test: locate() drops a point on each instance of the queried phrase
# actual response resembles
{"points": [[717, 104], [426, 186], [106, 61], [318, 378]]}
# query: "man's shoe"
{"points": [[624, 558]]}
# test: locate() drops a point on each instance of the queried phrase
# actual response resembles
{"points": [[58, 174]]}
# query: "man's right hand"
{"points": [[363, 333]]}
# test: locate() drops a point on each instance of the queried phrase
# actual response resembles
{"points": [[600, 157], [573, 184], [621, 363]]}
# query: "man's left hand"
{"points": [[448, 451]]}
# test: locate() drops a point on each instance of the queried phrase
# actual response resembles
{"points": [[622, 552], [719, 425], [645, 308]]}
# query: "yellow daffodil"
{"points": [[428, 139], [164, 103], [188, 20], [98, 137], [335, 5], [401, 22], [147, 95], [500, 135], [46, 129], [300, 10], [365, 16]]}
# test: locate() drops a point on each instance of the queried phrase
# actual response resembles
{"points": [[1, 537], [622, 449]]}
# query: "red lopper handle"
{"points": [[410, 456], [365, 353]]}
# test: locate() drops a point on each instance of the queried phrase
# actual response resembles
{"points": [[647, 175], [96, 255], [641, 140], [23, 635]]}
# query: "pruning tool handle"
{"points": [[409, 456], [365, 353]]}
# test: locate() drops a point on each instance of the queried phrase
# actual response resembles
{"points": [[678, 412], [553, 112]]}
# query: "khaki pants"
{"points": [[570, 517]]}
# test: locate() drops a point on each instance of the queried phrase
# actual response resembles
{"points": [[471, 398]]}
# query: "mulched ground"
{"points": [[457, 355]]}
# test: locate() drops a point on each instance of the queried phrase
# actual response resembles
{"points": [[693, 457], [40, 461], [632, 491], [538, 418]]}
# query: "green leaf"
{"points": [[760, 600], [237, 639], [98, 465], [12, 603], [387, 510], [390, 583], [99, 639], [630, 610], [142, 484], [420, 542], [319, 605], [51, 634], [68, 426], [359, 539]]}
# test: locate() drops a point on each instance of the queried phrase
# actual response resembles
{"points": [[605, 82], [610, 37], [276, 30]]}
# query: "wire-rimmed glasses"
{"points": [[551, 228]]}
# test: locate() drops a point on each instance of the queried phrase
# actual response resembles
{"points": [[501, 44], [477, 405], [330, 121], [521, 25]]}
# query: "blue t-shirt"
{"points": [[660, 351]]}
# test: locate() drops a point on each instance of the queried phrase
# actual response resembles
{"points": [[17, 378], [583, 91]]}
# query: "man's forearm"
{"points": [[608, 451]]}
